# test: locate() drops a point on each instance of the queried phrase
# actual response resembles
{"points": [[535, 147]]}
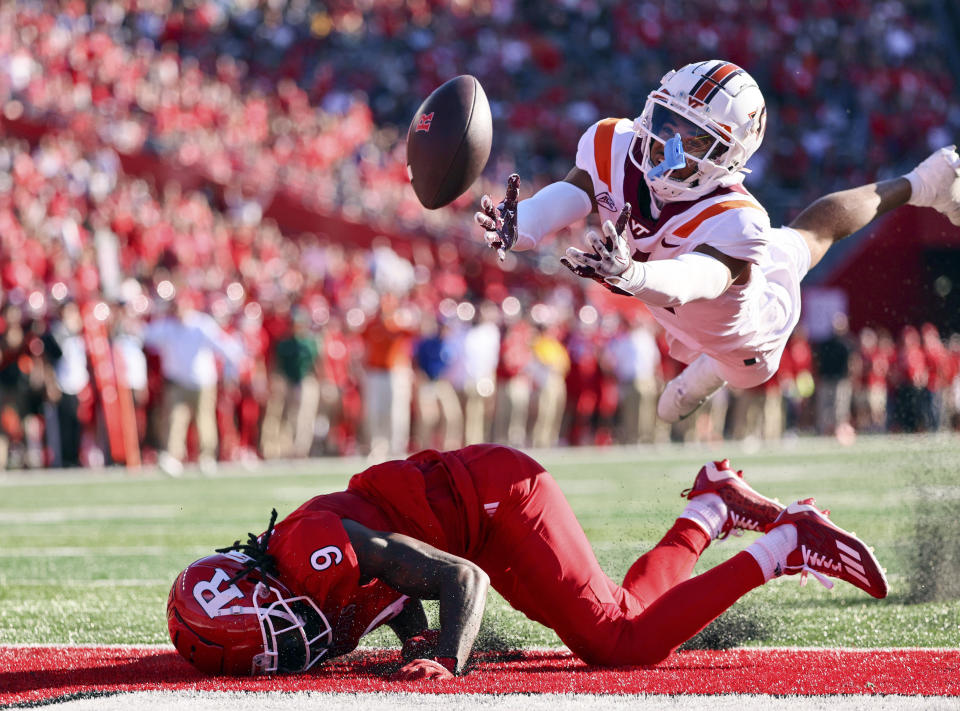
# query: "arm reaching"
{"points": [[665, 282], [554, 207], [934, 183], [421, 571]]}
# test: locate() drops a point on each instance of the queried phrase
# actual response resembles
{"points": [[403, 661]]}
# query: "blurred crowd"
{"points": [[226, 341], [315, 99], [215, 376], [174, 311]]}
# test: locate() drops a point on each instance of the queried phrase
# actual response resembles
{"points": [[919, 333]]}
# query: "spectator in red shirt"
{"points": [[514, 385], [938, 377], [878, 356], [910, 382], [801, 389]]}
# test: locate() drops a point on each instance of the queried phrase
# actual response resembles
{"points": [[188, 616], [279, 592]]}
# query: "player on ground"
{"points": [[698, 248], [445, 525]]}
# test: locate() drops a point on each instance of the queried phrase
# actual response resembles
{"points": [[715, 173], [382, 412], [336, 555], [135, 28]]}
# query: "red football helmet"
{"points": [[247, 627]]}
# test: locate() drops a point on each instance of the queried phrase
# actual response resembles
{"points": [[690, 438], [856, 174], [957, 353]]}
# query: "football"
{"points": [[448, 142]]}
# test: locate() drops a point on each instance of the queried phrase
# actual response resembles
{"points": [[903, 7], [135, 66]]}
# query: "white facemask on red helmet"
{"points": [[247, 627], [719, 112]]}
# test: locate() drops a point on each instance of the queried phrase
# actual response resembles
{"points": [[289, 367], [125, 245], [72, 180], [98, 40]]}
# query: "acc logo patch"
{"points": [[423, 123], [604, 200]]}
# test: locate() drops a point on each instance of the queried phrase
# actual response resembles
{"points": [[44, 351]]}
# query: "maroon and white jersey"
{"points": [[747, 320]]}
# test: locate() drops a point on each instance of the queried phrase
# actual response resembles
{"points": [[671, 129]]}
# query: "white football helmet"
{"points": [[718, 110]]}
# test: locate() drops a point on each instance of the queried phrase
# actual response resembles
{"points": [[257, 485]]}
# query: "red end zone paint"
{"points": [[37, 673]]}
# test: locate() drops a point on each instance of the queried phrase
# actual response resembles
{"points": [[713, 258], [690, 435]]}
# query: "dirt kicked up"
{"points": [[30, 675]]}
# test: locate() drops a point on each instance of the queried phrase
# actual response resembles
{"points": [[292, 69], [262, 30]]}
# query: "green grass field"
{"points": [[89, 557]]}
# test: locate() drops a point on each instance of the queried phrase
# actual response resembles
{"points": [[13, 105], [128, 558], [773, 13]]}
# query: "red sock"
{"points": [[687, 608], [670, 562]]}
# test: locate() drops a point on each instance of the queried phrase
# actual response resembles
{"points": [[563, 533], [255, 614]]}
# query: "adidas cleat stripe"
{"points": [[861, 578], [852, 552], [852, 564]]}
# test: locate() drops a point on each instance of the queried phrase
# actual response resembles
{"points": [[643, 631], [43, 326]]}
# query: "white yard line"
{"points": [[222, 701], [361, 649], [82, 512], [81, 552]]}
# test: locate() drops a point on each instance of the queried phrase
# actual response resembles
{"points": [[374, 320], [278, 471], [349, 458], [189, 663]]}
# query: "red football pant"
{"points": [[539, 559]]}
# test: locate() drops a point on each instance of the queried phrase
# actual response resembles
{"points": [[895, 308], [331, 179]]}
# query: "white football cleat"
{"points": [[936, 183], [747, 509], [827, 551], [689, 390]]}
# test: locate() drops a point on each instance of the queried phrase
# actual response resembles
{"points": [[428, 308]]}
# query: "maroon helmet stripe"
{"points": [[703, 79], [708, 86], [723, 82]]}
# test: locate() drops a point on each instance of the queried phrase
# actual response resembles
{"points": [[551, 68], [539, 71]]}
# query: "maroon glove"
{"points": [[587, 271], [426, 669], [420, 646], [500, 223]]}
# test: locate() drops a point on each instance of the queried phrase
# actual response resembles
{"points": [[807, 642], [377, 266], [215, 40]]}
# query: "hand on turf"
{"points": [[499, 223], [422, 669], [936, 183], [420, 645]]}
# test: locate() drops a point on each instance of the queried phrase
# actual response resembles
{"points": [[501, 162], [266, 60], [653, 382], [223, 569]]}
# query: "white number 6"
{"points": [[325, 557]]}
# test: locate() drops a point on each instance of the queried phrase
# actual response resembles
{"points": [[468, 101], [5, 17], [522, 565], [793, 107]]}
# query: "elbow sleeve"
{"points": [[674, 282]]}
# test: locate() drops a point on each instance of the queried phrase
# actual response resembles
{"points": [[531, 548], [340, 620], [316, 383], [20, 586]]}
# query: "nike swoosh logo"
{"points": [[668, 245]]}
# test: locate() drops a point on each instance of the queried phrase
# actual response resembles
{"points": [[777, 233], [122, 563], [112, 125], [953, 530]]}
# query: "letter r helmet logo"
{"points": [[218, 599]]}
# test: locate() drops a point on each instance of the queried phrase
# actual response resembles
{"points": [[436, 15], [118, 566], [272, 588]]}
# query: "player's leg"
{"points": [[690, 389], [700, 380], [537, 555], [539, 559], [720, 501], [801, 540]]}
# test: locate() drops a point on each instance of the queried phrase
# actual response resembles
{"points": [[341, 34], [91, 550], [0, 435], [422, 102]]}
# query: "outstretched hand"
{"points": [[499, 223], [609, 257]]}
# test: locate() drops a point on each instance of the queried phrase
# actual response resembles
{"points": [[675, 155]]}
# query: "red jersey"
{"points": [[498, 508], [430, 496], [315, 558]]}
